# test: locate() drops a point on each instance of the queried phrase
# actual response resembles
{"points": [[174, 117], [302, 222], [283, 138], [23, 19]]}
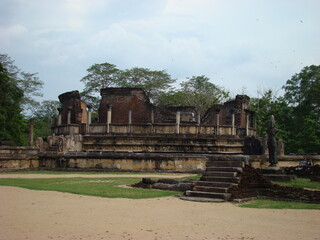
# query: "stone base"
{"points": [[202, 199], [273, 167]]}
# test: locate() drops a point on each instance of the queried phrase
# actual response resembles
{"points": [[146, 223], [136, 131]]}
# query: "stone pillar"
{"points": [[233, 132], [152, 116], [129, 120], [31, 127], [69, 115], [247, 123], [109, 117], [280, 147], [89, 118], [59, 116], [199, 122], [198, 118], [178, 122], [218, 121]]}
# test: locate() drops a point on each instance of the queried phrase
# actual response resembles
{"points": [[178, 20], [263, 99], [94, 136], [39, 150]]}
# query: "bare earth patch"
{"points": [[29, 214]]}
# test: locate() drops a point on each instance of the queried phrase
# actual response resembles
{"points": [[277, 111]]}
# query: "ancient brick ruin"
{"points": [[129, 110]]}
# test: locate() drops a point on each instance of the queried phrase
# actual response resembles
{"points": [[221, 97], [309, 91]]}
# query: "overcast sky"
{"points": [[240, 45]]}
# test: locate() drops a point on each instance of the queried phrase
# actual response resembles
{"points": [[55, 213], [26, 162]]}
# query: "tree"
{"points": [[265, 106], [43, 116], [302, 91], [201, 93], [29, 83], [99, 76], [12, 124], [154, 82], [108, 75], [172, 98], [302, 94]]}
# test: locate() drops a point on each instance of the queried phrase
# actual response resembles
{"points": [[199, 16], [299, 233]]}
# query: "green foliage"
{"points": [[29, 83], [270, 204], [202, 94], [107, 75], [154, 82], [172, 98], [297, 113], [13, 125], [265, 106], [43, 115], [99, 76], [197, 91], [301, 182], [101, 187], [302, 94]]}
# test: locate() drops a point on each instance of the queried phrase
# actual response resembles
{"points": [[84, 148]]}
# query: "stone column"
{"points": [[218, 121], [129, 120], [178, 122], [247, 122], [152, 116], [89, 118], [59, 116], [198, 118], [69, 115], [199, 122], [233, 122], [109, 116], [31, 127]]}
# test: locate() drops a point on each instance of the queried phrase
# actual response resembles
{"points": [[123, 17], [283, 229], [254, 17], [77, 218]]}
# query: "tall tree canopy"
{"points": [[108, 75], [43, 116], [29, 83], [297, 113], [196, 91], [12, 124], [302, 94]]}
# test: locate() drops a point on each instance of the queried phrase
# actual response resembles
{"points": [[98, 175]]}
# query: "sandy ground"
{"points": [[29, 214]]}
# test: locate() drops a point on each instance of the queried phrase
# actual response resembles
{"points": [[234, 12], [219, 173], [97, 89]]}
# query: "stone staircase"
{"points": [[222, 172]]}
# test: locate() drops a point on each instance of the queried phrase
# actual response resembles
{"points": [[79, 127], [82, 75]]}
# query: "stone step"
{"points": [[224, 169], [224, 164], [221, 179], [202, 199], [219, 174], [214, 158], [162, 146], [214, 184], [166, 138], [224, 196], [210, 189]]}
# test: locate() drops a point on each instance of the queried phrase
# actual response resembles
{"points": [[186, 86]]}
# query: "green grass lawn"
{"points": [[100, 187], [270, 204], [74, 172], [301, 182]]}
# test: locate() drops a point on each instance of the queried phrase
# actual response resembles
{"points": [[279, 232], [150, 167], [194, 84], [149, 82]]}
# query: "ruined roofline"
{"points": [[125, 91], [239, 98], [67, 95]]}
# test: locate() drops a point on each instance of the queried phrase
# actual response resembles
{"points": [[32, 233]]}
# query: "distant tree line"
{"points": [[297, 112]]}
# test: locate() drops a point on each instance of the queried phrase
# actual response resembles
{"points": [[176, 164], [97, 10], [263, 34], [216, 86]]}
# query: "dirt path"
{"points": [[38, 215]]}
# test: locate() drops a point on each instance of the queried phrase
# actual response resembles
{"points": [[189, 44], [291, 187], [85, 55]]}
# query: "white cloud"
{"points": [[235, 43], [11, 33], [187, 7]]}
